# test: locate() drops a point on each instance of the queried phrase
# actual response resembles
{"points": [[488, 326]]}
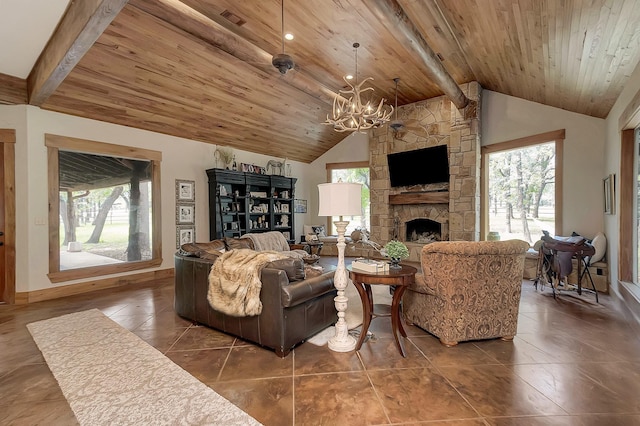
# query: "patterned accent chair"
{"points": [[468, 290]]}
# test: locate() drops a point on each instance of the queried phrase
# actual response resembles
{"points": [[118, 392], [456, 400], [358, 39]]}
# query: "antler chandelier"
{"points": [[350, 114]]}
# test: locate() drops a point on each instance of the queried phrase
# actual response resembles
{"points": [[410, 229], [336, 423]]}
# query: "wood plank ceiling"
{"points": [[183, 68]]}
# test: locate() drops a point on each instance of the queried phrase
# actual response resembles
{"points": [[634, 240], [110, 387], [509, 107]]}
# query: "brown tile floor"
{"points": [[572, 363]]}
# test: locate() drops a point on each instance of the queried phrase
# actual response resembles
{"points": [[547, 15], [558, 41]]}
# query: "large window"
{"points": [[521, 187], [104, 208], [356, 172]]}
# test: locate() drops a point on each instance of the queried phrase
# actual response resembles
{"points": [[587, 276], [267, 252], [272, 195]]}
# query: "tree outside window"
{"points": [[354, 175], [104, 202], [522, 192]]}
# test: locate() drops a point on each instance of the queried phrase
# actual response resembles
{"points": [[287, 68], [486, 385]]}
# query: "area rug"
{"points": [[353, 315], [110, 376]]}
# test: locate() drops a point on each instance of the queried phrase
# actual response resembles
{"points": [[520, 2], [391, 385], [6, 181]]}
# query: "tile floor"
{"points": [[572, 363]]}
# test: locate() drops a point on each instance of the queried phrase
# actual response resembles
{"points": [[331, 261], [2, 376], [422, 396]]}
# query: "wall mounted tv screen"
{"points": [[419, 167]]}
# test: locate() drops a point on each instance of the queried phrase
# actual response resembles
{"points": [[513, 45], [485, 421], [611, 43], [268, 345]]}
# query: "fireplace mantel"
{"points": [[437, 197]]}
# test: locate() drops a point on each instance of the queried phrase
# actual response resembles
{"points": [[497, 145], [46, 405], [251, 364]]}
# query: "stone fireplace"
{"points": [[451, 209]]}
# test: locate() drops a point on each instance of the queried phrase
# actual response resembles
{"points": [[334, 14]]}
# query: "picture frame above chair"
{"points": [[609, 191]]}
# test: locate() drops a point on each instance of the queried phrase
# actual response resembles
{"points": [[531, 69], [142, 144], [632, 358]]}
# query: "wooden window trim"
{"points": [[54, 143], [556, 136], [339, 166], [627, 227], [8, 145]]}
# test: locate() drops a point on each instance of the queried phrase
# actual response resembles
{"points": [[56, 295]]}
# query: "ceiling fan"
{"points": [[398, 126]]}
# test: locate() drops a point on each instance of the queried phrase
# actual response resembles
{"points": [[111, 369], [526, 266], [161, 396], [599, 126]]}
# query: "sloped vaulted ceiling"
{"points": [[201, 69]]}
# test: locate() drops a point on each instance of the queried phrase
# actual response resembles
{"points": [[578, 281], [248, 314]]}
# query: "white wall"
{"points": [[612, 164], [506, 118], [181, 159]]}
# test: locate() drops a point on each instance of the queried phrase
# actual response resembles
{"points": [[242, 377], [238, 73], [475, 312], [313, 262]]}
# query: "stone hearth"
{"points": [[455, 205]]}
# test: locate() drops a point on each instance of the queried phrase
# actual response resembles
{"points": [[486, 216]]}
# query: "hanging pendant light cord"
{"points": [[356, 45], [396, 80], [282, 29]]}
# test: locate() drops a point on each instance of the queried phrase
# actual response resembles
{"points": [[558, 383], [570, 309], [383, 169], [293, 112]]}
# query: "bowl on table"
{"points": [[311, 259]]}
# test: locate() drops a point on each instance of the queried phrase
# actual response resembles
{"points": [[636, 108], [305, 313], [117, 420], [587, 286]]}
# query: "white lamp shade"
{"points": [[340, 199]]}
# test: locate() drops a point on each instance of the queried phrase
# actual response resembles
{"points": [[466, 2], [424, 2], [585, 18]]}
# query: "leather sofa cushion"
{"points": [[210, 256], [238, 243], [302, 291], [215, 247], [293, 267]]}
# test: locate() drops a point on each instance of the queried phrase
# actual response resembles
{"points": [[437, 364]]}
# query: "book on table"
{"points": [[370, 265]]}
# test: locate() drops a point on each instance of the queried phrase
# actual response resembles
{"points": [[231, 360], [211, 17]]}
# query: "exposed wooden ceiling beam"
{"points": [[197, 24], [391, 14], [83, 22], [13, 90]]}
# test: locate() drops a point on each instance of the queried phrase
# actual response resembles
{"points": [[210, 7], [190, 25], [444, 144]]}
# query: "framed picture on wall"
{"points": [[300, 206], [609, 191], [185, 234], [185, 214], [185, 190]]}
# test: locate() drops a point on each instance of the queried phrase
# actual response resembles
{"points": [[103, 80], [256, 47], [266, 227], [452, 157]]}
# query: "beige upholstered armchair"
{"points": [[468, 290]]}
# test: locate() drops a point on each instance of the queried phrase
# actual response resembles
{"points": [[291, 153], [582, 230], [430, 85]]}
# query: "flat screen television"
{"points": [[419, 167]]}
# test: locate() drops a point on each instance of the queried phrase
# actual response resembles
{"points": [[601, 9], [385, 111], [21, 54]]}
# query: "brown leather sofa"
{"points": [[294, 308]]}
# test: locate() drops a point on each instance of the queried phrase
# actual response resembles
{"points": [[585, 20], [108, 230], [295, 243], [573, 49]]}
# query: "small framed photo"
{"points": [[609, 194], [185, 214], [300, 206], [185, 190], [185, 234]]}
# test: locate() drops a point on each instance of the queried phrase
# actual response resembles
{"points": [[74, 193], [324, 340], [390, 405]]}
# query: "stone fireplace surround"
{"points": [[454, 206]]}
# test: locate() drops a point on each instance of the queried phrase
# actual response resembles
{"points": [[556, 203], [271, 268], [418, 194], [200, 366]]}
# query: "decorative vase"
{"points": [[395, 263], [493, 236]]}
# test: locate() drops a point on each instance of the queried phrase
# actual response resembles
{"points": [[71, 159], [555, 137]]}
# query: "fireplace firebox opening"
{"points": [[423, 231]]}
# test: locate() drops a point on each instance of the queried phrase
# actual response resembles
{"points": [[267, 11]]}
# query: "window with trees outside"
{"points": [[521, 189], [104, 201], [356, 172]]}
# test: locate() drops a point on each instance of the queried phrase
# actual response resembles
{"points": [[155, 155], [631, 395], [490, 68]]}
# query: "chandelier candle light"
{"points": [[340, 199], [350, 114]]}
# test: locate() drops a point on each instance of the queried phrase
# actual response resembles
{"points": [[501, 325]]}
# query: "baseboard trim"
{"points": [[23, 298]]}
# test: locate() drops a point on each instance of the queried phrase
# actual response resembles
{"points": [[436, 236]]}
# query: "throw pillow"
{"points": [[238, 243], [189, 249], [319, 231], [294, 268], [210, 255], [308, 229], [599, 243]]}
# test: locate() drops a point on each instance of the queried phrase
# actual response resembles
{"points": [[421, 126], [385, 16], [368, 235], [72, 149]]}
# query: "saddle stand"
{"points": [[555, 262]]}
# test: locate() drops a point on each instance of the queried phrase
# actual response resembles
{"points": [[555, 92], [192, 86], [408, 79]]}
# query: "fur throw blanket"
{"points": [[234, 281]]}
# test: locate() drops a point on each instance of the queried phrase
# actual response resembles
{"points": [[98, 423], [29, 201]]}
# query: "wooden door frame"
{"points": [[8, 145]]}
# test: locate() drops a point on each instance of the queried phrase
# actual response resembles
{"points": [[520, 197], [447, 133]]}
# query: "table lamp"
{"points": [[340, 199]]}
